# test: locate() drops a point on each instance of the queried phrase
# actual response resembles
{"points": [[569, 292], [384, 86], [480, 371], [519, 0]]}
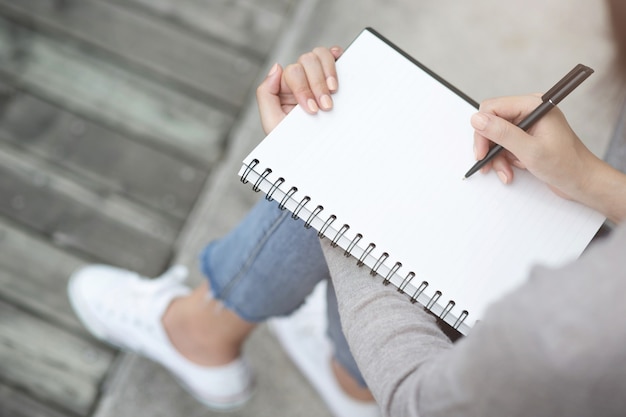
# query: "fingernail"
{"points": [[312, 105], [479, 121], [475, 153], [273, 70], [503, 177], [326, 101], [332, 83]]}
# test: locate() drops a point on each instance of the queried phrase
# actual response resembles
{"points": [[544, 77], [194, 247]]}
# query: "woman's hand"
{"points": [[551, 151], [308, 82]]}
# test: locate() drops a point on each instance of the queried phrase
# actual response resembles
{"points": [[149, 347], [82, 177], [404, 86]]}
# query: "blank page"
{"points": [[388, 161]]}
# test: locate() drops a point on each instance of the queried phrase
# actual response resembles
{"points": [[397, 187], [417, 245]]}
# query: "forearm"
{"points": [[605, 191], [381, 326], [544, 350]]}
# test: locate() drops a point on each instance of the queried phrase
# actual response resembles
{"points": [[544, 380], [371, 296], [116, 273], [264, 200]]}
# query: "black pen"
{"points": [[549, 100]]}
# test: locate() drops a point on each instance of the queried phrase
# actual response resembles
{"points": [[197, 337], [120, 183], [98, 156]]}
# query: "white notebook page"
{"points": [[388, 160]]}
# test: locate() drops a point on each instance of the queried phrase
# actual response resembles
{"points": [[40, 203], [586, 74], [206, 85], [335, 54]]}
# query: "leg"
{"points": [[344, 367], [263, 268], [204, 332], [266, 266]]}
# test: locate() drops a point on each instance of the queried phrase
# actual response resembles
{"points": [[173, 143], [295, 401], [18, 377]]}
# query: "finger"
{"points": [[337, 51], [500, 131], [481, 146], [503, 169], [327, 60], [513, 108], [514, 161], [268, 99], [501, 163], [295, 80], [316, 75]]}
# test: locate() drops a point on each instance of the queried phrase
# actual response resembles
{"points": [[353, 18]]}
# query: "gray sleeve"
{"points": [[556, 346]]}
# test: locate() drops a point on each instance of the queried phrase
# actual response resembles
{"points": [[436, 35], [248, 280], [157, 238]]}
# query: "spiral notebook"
{"points": [[380, 176]]}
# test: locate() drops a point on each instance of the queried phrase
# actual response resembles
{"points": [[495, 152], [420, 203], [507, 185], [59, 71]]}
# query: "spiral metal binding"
{"points": [[326, 225], [283, 202], [339, 234], [300, 206], [419, 291], [312, 217], [261, 178], [365, 253], [406, 281], [381, 260], [249, 168], [446, 310], [353, 243], [273, 188], [433, 300], [461, 319], [391, 273]]}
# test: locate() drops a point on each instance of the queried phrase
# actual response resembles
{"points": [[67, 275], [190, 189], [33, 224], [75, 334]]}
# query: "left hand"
{"points": [[309, 82]]}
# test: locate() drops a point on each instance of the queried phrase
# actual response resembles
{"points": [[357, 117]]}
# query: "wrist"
{"points": [[604, 190]]}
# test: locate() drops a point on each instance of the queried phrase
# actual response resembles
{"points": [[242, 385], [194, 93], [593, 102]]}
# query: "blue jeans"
{"points": [[266, 267]]}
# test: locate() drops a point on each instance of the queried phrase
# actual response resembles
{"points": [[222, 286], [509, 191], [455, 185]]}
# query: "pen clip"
{"points": [[575, 72]]}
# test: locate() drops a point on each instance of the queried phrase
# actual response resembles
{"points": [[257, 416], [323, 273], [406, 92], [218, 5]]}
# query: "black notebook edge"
{"points": [[423, 67]]}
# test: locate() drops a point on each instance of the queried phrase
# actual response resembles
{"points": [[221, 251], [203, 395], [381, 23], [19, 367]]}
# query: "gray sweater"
{"points": [[556, 346]]}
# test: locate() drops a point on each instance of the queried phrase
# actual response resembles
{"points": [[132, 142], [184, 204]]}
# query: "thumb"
{"points": [[268, 99], [499, 131]]}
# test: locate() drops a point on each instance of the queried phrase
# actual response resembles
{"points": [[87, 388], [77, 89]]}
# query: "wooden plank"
{"points": [[103, 227], [49, 363], [250, 26], [34, 275], [111, 162], [123, 101], [153, 46], [15, 404]]}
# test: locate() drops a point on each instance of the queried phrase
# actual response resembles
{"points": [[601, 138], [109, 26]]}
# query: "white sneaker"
{"points": [[125, 310], [303, 336]]}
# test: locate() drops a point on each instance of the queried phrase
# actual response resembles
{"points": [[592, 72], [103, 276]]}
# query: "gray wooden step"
{"points": [[250, 26], [152, 45], [103, 227], [49, 362], [120, 99], [109, 162], [34, 275], [15, 404]]}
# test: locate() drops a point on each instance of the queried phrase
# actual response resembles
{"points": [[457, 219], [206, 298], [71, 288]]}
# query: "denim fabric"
{"points": [[266, 267]]}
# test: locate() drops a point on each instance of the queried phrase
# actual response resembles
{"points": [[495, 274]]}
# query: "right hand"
{"points": [[551, 151]]}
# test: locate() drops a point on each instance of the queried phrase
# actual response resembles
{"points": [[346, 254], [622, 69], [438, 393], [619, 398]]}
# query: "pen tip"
{"points": [[464, 178]]}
